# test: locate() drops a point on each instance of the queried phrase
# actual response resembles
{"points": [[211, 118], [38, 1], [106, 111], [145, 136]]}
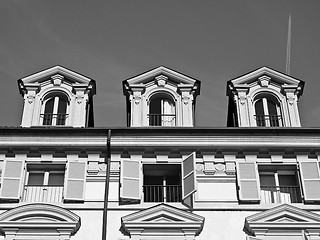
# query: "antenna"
{"points": [[288, 47]]}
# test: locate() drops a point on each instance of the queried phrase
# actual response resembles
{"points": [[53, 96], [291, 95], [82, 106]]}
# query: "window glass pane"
{"points": [[49, 106], [272, 108], [155, 106], [259, 107], [267, 180], [56, 179], [62, 108], [35, 178], [288, 180]]}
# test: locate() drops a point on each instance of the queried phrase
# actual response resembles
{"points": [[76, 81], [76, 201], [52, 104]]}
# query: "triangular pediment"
{"points": [[276, 76], [162, 217], [173, 76], [162, 212], [280, 216], [44, 75], [283, 213]]}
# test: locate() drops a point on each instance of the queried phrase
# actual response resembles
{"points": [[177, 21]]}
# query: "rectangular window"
{"points": [[162, 183], [44, 183], [279, 184]]}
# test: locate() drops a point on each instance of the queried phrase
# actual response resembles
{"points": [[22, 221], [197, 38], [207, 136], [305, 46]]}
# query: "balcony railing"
{"points": [[268, 120], [159, 193], [54, 119], [281, 194], [162, 119], [42, 193]]}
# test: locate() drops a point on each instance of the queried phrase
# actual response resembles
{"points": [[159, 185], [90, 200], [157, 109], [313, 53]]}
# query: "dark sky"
{"points": [[110, 41]]}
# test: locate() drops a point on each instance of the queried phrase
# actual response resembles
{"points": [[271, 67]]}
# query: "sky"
{"points": [[110, 41]]}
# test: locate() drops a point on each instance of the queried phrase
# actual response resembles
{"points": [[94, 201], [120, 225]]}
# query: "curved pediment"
{"points": [[37, 216]]}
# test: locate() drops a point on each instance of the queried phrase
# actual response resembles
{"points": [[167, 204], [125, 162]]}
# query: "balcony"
{"points": [[42, 193], [280, 194], [168, 120], [268, 120], [54, 119], [160, 193]]}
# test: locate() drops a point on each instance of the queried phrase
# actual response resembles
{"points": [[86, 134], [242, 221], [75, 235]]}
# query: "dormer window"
{"points": [[162, 111], [264, 98], [161, 97], [267, 112], [55, 110]]}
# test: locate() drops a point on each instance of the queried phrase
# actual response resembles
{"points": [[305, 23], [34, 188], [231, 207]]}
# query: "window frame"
{"points": [[267, 98], [56, 96], [278, 194], [153, 117]]}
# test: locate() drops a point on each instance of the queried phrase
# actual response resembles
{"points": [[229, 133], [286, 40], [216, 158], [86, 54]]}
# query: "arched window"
{"points": [[162, 111], [268, 113], [55, 110]]}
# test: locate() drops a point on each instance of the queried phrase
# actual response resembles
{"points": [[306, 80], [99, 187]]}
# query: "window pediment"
{"points": [[162, 217], [39, 216], [265, 73], [54, 72], [285, 216], [160, 74]]}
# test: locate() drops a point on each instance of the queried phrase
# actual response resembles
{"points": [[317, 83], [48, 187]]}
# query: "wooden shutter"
{"points": [[12, 177], [75, 181], [310, 176], [188, 179], [248, 181], [130, 180]]}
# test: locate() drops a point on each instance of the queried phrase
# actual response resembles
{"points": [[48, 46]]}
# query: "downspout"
{"points": [[107, 161]]}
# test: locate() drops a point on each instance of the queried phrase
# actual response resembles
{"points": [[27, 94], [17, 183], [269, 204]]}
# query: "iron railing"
{"points": [[162, 119], [54, 119], [42, 193], [280, 194], [159, 193], [268, 120]]}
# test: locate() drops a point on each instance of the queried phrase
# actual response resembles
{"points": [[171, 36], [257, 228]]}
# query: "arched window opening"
{"points": [[55, 111], [162, 111], [268, 113]]}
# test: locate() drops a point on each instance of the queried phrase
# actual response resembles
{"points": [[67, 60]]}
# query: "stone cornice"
{"points": [[224, 138]]}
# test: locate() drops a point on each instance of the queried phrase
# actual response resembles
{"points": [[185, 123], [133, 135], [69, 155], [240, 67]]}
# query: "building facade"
{"points": [[258, 178]]}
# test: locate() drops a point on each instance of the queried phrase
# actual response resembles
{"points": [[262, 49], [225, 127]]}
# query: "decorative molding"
{"points": [[57, 79], [161, 80], [264, 81]]}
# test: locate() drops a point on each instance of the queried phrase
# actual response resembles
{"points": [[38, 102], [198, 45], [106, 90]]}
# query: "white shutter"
{"points": [[11, 180], [130, 180], [310, 176], [75, 181], [248, 181], [188, 179]]}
